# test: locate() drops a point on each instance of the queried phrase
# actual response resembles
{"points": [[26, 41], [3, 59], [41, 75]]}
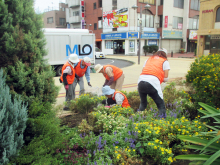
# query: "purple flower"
{"points": [[87, 151], [129, 132], [105, 142], [115, 133], [113, 144], [116, 142], [84, 134], [126, 125], [126, 139], [175, 115], [80, 135], [95, 163], [94, 152]]}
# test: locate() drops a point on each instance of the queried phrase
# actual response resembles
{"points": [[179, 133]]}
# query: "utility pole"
{"points": [[140, 21]]}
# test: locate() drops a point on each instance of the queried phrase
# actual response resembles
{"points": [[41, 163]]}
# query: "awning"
{"points": [[98, 40]]}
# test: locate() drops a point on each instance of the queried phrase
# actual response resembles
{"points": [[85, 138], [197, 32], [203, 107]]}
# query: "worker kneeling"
{"points": [[114, 97]]}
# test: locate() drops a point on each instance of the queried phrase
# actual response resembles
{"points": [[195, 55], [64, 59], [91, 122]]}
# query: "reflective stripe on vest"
{"points": [[116, 71], [154, 66], [69, 78], [125, 102], [80, 71]]}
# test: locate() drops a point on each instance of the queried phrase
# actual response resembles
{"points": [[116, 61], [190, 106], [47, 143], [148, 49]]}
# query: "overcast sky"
{"points": [[41, 5]]}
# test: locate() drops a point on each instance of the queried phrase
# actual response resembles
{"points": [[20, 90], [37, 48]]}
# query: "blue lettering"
{"points": [[75, 49]]}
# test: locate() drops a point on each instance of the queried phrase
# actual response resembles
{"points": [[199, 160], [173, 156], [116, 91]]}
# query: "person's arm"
{"points": [[109, 72], [67, 71], [119, 98], [166, 68], [87, 74], [106, 81]]}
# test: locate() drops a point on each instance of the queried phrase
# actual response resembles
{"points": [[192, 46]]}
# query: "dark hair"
{"points": [[160, 54]]}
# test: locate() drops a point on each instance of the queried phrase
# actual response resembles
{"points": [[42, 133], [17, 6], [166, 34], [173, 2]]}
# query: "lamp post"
{"points": [[147, 6]]}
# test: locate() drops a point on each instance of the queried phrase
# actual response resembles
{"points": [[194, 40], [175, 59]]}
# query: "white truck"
{"points": [[63, 42]]}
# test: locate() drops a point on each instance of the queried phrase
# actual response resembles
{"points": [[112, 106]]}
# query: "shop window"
{"points": [[218, 15], [108, 44], [207, 42], [147, 19], [194, 22], [131, 45], [50, 20], [114, 29], [176, 21], [94, 5], [148, 1], [179, 3], [114, 4], [195, 4]]}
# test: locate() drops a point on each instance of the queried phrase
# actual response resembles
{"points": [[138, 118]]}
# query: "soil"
{"points": [[73, 119]]}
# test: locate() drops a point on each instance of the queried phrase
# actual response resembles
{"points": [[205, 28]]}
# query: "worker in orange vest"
{"points": [[114, 97], [82, 68], [68, 77], [114, 75], [155, 71]]}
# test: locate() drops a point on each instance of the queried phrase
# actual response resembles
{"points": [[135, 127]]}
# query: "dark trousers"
{"points": [[144, 89], [109, 102]]}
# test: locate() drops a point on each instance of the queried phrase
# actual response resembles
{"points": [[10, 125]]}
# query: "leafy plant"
{"points": [[209, 149], [146, 49], [204, 77], [13, 117]]}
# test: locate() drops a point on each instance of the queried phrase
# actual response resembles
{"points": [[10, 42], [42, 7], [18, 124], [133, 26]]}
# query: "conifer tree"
{"points": [[13, 117], [22, 50]]}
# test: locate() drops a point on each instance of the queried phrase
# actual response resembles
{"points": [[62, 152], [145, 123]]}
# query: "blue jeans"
{"points": [[144, 89]]}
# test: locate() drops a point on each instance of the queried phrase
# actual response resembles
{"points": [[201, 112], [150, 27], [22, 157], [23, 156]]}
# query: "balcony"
{"points": [[73, 4], [74, 19]]}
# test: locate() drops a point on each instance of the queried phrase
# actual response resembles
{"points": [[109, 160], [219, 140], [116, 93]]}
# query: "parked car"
{"points": [[99, 53]]}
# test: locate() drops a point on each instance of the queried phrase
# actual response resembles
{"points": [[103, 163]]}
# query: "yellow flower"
{"points": [[149, 143], [129, 150], [116, 146], [139, 131], [134, 150], [157, 141], [170, 159], [116, 152], [155, 147], [161, 142], [136, 127]]}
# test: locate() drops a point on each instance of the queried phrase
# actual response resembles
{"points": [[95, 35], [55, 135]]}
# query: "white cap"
{"points": [[87, 61], [163, 50], [98, 67], [73, 58]]}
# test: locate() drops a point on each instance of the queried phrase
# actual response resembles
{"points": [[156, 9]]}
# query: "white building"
{"points": [[167, 23]]}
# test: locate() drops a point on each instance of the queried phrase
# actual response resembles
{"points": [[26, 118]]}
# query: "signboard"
{"points": [[115, 18], [193, 35], [83, 24], [68, 26], [166, 22], [180, 26], [146, 35], [132, 34], [207, 11], [82, 9], [172, 34], [152, 42], [114, 36]]}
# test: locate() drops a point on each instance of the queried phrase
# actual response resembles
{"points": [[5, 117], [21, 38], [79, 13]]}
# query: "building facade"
{"points": [[55, 18], [209, 27]]}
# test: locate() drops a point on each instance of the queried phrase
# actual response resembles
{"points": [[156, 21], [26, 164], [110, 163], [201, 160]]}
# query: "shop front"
{"points": [[212, 44], [192, 41]]}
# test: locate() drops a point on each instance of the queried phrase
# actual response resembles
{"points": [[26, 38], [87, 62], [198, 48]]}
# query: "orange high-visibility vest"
{"points": [[69, 78], [125, 102], [116, 71], [154, 66], [80, 71]]}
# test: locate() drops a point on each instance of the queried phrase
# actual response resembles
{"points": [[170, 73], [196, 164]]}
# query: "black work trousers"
{"points": [[144, 89]]}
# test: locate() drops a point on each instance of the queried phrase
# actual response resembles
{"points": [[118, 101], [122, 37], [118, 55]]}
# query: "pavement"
{"points": [[179, 63]]}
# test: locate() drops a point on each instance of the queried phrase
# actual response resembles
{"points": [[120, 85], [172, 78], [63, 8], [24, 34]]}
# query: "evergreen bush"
{"points": [[204, 76], [22, 51], [13, 116], [153, 48]]}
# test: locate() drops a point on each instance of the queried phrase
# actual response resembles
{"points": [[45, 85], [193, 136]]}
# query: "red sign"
{"points": [[207, 11], [166, 22], [180, 26], [82, 9]]}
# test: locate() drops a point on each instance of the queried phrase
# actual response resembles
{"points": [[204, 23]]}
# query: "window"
{"points": [[194, 22], [218, 15], [131, 45], [179, 3], [114, 4], [147, 19], [100, 22], [176, 21], [147, 1], [161, 2], [161, 21], [76, 13], [62, 21], [114, 29], [100, 3], [63, 9], [94, 5], [50, 20], [95, 26], [195, 4]]}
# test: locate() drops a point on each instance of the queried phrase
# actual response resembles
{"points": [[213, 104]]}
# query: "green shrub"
{"points": [[195, 52], [146, 49], [42, 136], [153, 48], [13, 117], [204, 76]]}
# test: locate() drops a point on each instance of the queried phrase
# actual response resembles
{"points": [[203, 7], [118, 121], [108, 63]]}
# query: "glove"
{"points": [[89, 84], [66, 87]]}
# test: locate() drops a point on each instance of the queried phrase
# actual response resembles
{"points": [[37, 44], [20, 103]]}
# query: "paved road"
{"points": [[116, 62]]}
